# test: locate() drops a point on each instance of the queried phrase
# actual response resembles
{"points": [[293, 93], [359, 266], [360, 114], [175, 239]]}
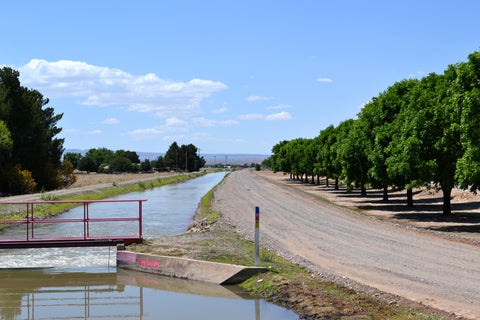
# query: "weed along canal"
{"points": [[84, 283]]}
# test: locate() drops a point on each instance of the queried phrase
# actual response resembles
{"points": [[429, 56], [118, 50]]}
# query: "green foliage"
{"points": [[415, 133], [146, 166], [66, 176], [32, 128], [49, 197], [18, 181], [120, 164], [267, 163], [159, 163], [88, 164], [73, 157], [183, 158]]}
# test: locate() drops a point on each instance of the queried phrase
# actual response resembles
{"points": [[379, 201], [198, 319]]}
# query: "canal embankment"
{"points": [[212, 237]]}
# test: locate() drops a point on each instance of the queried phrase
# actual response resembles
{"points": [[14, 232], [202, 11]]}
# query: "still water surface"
{"points": [[58, 289]]}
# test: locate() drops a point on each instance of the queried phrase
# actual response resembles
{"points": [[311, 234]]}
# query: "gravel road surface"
{"points": [[418, 266]]}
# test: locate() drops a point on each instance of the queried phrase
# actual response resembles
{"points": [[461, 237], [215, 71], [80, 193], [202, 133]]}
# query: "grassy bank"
{"points": [[212, 238], [12, 212]]}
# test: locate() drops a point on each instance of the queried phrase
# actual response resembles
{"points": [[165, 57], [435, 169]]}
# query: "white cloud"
{"points": [[103, 86], [259, 98], [227, 123], [324, 80], [202, 122], [95, 132], [145, 134], [111, 121], [171, 125], [251, 116], [177, 138], [221, 110], [175, 124], [280, 106], [279, 116]]}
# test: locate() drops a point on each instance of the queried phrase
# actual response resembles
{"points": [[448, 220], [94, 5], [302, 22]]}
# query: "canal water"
{"points": [[84, 283]]}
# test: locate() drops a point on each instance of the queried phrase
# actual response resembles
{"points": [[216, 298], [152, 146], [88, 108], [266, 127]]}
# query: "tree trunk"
{"points": [[318, 179], [385, 193], [447, 208], [363, 191], [326, 181], [313, 179], [336, 183], [306, 178], [409, 197]]}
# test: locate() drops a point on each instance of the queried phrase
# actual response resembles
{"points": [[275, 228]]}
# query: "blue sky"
{"points": [[227, 76]]}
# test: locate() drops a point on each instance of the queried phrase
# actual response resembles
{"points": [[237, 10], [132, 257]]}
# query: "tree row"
{"points": [[416, 133], [104, 160]]}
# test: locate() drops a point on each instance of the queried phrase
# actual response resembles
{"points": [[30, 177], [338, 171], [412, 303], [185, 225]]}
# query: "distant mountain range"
{"points": [[209, 158]]}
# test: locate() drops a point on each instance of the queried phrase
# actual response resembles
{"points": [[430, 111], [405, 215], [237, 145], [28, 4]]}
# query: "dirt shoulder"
{"points": [[351, 245], [426, 214]]}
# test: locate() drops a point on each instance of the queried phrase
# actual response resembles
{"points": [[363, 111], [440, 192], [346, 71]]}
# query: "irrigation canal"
{"points": [[84, 283]]}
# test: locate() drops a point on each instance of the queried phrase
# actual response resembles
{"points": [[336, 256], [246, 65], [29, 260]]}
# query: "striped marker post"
{"points": [[257, 235]]}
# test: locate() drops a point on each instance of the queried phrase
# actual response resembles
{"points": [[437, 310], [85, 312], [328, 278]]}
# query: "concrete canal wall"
{"points": [[218, 273]]}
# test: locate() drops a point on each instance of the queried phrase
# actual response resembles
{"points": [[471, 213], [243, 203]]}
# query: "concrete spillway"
{"points": [[206, 271]]}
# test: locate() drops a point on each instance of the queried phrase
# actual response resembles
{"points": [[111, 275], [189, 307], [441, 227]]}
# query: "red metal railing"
{"points": [[86, 240]]}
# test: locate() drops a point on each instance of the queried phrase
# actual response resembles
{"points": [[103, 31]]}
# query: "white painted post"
{"points": [[257, 235]]}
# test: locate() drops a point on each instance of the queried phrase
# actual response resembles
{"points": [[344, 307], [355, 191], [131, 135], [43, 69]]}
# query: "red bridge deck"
{"points": [[30, 221]]}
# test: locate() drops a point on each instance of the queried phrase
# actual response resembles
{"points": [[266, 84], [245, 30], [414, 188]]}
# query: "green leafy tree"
{"points": [[120, 163], [146, 165], [6, 145], [88, 164], [341, 135], [183, 158], [428, 146], [467, 92], [192, 161], [159, 163], [132, 156], [73, 157], [267, 163], [101, 157], [280, 161], [173, 157], [379, 117], [353, 153], [325, 160], [33, 128]]}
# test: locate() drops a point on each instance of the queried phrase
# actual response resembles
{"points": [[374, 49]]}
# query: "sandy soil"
{"points": [[426, 213], [420, 266], [84, 179]]}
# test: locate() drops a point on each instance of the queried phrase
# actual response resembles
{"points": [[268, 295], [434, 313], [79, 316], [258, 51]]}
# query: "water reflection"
{"points": [[92, 293]]}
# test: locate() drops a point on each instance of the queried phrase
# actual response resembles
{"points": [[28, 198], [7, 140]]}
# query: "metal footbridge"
{"points": [[82, 234]]}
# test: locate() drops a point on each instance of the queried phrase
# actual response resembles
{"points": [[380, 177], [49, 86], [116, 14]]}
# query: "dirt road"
{"points": [[418, 266]]}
